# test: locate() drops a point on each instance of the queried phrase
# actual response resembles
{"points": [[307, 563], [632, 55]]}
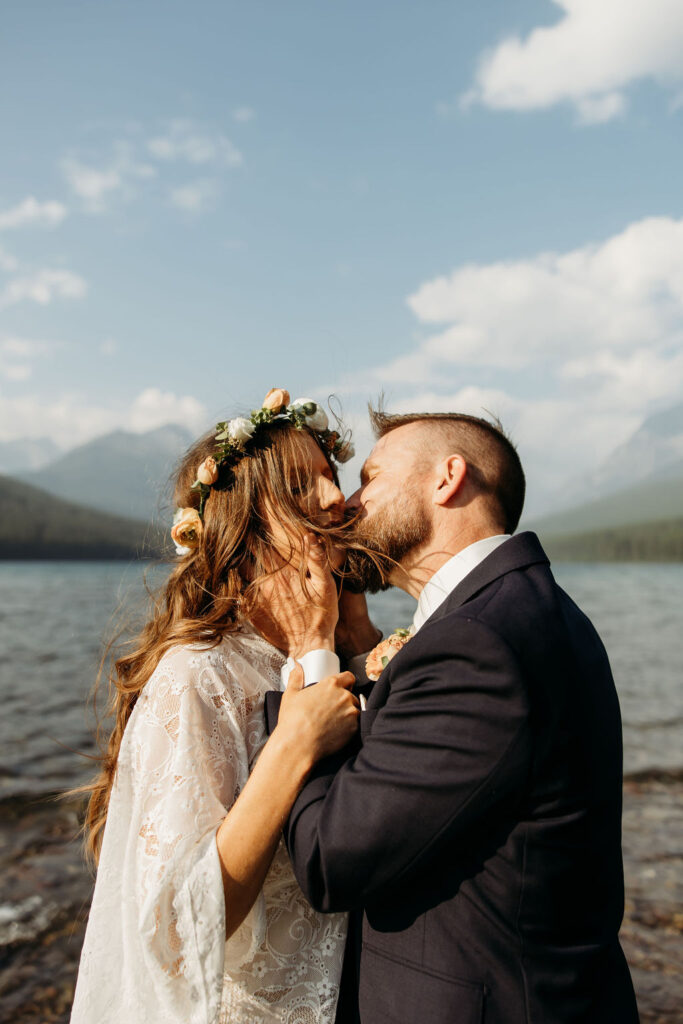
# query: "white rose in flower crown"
{"points": [[240, 429], [316, 420], [345, 452]]}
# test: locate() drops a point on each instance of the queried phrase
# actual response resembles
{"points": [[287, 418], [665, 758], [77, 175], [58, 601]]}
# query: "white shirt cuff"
{"points": [[316, 664]]}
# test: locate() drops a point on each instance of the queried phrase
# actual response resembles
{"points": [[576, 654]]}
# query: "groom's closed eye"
{"points": [[366, 473]]}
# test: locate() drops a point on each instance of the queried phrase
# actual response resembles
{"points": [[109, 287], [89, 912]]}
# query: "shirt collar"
{"points": [[444, 582]]}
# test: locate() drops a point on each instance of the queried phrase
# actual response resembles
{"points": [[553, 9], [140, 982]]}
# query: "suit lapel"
{"points": [[519, 552]]}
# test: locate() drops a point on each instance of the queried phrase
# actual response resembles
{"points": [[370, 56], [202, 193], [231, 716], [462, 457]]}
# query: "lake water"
{"points": [[53, 617]]}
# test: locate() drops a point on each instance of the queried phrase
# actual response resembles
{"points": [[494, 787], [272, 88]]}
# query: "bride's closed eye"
{"points": [[300, 488]]}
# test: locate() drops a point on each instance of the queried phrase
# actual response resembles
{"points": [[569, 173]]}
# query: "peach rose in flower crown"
{"points": [[276, 399], [208, 471], [187, 530], [380, 656]]}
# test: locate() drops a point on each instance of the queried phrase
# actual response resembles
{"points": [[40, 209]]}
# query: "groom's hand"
{"points": [[355, 633]]}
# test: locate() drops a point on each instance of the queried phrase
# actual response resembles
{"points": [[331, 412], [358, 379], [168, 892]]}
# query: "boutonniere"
{"points": [[380, 656]]}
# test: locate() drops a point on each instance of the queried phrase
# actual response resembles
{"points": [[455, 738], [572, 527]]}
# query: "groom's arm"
{"points": [[449, 746]]}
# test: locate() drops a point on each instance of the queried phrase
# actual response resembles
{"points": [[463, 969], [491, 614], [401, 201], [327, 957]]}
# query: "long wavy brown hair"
{"points": [[211, 589]]}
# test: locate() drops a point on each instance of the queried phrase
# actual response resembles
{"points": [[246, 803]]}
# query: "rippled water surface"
{"points": [[638, 611], [53, 617]]}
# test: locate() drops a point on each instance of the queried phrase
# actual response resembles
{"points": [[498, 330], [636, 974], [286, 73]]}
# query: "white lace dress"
{"points": [[155, 949]]}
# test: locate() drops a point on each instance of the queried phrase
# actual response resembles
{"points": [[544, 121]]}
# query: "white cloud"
{"points": [[42, 287], [187, 142], [154, 408], [589, 57], [195, 196], [619, 294], [243, 114], [17, 356], [72, 419], [7, 262], [31, 211], [16, 371], [109, 347], [572, 349], [599, 109], [97, 185]]}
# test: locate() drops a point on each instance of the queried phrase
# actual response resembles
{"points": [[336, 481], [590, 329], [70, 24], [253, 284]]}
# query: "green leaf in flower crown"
{"points": [[223, 436], [385, 661]]}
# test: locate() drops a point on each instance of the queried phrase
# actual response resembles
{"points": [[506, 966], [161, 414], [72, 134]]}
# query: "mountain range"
{"points": [[640, 482], [27, 454], [120, 473], [127, 474], [654, 451]]}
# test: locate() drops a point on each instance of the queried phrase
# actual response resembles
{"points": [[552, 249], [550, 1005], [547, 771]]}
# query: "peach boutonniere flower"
{"points": [[380, 656]]}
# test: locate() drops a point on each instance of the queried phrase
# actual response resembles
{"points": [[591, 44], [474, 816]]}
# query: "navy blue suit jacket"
{"points": [[476, 833]]}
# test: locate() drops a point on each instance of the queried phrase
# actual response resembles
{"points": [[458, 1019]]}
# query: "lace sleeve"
{"points": [[187, 761]]}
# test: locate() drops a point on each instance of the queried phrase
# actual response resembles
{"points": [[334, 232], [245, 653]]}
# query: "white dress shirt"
{"points": [[453, 572]]}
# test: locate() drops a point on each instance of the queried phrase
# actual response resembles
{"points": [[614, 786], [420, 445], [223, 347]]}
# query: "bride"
{"points": [[196, 916]]}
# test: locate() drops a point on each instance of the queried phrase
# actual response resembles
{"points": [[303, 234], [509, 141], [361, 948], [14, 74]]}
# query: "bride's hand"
{"points": [[321, 718], [295, 617]]}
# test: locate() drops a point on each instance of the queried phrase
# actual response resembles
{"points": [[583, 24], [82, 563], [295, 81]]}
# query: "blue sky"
{"points": [[469, 205]]}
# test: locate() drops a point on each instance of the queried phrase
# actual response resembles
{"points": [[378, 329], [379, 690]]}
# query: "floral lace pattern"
{"points": [[155, 948]]}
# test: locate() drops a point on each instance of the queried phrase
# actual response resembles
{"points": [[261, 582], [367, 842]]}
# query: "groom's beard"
{"points": [[390, 534]]}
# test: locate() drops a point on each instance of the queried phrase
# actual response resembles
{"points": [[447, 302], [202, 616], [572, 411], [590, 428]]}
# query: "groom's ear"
{"points": [[450, 476]]}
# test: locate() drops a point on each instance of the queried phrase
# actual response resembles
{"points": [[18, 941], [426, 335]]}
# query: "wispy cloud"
{"points": [[243, 114], [154, 408], [32, 212], [74, 418], [190, 143], [42, 287], [18, 356], [195, 196], [589, 58], [98, 184], [8, 263]]}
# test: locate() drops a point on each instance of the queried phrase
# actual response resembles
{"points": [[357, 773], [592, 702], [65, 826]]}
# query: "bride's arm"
{"points": [[313, 722]]}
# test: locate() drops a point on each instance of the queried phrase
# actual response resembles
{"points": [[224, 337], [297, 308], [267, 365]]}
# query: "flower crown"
{"points": [[233, 436]]}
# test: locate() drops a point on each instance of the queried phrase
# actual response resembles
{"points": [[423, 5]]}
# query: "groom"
{"points": [[476, 832]]}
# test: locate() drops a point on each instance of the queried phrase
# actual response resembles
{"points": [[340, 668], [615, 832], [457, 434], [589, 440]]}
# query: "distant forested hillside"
{"points": [[648, 501], [34, 524], [644, 542]]}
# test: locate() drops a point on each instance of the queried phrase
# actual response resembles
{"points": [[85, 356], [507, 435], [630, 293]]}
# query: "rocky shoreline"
{"points": [[45, 891]]}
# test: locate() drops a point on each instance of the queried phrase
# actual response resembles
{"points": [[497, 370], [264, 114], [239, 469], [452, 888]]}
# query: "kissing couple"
{"points": [[436, 840]]}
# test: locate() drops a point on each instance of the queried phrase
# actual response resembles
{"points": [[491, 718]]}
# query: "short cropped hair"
{"points": [[493, 464]]}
